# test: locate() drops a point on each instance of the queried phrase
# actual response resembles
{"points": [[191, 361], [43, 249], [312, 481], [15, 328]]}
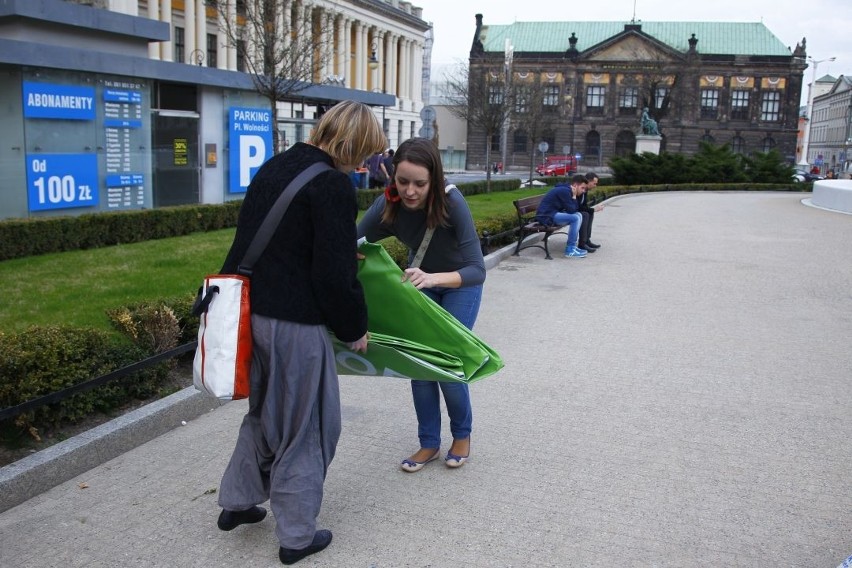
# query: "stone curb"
{"points": [[32, 475]]}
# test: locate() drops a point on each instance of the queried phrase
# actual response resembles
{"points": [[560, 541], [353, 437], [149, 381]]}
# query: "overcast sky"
{"points": [[827, 24]]}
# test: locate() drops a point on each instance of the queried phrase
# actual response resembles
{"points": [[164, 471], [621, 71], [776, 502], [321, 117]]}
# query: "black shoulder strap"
{"points": [[276, 213]]}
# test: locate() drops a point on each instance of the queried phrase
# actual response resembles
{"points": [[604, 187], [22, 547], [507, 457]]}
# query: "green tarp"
{"points": [[410, 335]]}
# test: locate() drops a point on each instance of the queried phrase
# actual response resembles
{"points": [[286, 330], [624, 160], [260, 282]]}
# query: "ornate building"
{"points": [[586, 84], [831, 129], [369, 45]]}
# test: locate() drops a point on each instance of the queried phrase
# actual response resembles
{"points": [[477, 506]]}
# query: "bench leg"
{"points": [[546, 249]]}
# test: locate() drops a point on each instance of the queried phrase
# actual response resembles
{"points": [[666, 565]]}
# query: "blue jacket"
{"points": [[560, 199]]}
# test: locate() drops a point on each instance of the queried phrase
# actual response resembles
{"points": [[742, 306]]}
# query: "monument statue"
{"points": [[649, 125]]}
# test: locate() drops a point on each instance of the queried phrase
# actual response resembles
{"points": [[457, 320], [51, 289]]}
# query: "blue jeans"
{"points": [[573, 220], [463, 304]]}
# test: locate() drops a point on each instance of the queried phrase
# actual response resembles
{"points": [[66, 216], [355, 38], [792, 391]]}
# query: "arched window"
{"points": [[625, 143], [593, 147], [738, 145], [768, 144]]}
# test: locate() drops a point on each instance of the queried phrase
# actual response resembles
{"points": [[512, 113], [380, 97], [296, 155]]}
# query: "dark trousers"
{"points": [[586, 227]]}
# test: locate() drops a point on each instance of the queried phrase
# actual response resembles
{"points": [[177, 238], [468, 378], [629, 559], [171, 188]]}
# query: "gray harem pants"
{"points": [[289, 436]]}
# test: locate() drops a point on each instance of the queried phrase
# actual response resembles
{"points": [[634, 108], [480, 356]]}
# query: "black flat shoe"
{"points": [[229, 520], [593, 245], [587, 247], [322, 539]]}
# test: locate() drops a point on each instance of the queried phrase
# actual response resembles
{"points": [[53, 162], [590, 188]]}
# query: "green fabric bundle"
{"points": [[410, 335]]}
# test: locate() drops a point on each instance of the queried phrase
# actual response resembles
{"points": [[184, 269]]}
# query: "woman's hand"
{"points": [[419, 278], [359, 346], [422, 279]]}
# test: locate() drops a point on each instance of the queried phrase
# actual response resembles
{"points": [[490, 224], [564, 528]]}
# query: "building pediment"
{"points": [[631, 46]]}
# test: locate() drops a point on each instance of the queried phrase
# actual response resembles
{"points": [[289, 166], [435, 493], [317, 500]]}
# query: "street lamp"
{"points": [[810, 108]]}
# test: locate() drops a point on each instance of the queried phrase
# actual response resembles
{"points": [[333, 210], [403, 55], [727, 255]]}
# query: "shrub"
{"points": [[710, 165], [44, 360]]}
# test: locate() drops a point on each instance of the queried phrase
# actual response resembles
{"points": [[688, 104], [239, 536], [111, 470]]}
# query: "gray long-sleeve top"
{"points": [[454, 248]]}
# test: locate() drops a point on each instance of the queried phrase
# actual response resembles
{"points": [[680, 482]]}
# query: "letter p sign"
{"points": [[252, 155]]}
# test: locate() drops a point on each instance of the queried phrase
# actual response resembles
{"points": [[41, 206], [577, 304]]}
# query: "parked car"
{"points": [[557, 166], [804, 175]]}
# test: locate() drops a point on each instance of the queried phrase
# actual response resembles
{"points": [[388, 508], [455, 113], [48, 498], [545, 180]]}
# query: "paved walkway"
{"points": [[680, 398]]}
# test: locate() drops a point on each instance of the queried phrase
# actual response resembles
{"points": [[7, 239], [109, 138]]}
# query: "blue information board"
{"points": [[62, 181], [48, 100], [250, 144]]}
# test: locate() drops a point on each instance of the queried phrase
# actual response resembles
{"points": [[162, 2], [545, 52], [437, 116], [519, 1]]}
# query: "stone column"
{"points": [[340, 48], [379, 74], [348, 60], [232, 49], [154, 14], [188, 31], [200, 29], [357, 77], [167, 49]]}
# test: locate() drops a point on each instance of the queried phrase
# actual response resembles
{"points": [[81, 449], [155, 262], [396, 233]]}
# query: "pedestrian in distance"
{"points": [[561, 207], [303, 285], [451, 273]]}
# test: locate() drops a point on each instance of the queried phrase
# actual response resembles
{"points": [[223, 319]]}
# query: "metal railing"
{"points": [[65, 393]]}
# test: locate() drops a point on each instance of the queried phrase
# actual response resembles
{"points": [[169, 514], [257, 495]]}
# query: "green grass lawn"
{"points": [[76, 288]]}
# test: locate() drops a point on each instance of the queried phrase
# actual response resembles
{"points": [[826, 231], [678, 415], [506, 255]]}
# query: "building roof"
{"points": [[718, 38]]}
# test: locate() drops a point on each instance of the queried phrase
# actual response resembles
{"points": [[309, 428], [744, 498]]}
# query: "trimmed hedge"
{"points": [[28, 237], [43, 360]]}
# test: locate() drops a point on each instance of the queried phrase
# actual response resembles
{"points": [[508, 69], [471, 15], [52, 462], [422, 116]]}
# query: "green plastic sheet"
{"points": [[411, 336]]}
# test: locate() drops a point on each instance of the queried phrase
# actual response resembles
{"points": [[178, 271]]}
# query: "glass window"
{"points": [[519, 143], [768, 144], [739, 104], [495, 94], [180, 45], [595, 100], [212, 47], [628, 101], [738, 145], [522, 100], [495, 142], [241, 55], [770, 106], [660, 97], [550, 99], [709, 103]]}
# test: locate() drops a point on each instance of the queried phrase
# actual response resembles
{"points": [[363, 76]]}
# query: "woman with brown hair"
{"points": [[451, 273], [303, 284]]}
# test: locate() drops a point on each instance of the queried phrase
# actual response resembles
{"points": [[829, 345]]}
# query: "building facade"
{"points": [[581, 88], [130, 105], [831, 129]]}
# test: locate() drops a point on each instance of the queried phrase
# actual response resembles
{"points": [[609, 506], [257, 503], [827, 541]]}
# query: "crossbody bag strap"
{"points": [[427, 238], [424, 244], [276, 213]]}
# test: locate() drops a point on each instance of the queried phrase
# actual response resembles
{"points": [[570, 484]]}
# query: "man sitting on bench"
{"points": [[560, 207]]}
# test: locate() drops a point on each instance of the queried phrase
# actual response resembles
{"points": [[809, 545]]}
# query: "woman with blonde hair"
{"points": [[451, 273], [304, 283]]}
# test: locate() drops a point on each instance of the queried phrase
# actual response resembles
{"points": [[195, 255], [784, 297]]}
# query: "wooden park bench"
{"points": [[527, 225]]}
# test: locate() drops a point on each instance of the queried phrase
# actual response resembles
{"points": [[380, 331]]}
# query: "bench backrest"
{"points": [[527, 205]]}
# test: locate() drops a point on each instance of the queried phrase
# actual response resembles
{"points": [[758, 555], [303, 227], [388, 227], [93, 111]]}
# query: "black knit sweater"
{"points": [[308, 273]]}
